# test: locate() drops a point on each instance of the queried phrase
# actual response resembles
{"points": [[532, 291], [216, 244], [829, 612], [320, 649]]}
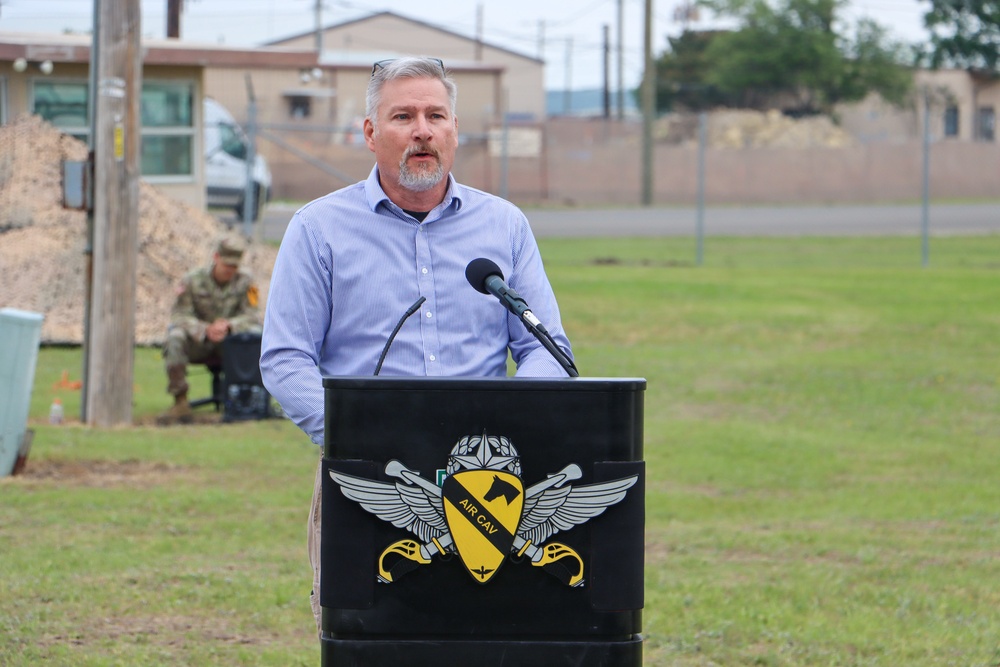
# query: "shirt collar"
{"points": [[376, 195]]}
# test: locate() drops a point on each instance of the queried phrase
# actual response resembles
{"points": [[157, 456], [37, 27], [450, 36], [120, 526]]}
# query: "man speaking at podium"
{"points": [[354, 264]]}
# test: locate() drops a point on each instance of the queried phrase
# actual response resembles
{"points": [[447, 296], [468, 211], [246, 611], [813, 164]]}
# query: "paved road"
{"points": [[943, 219]]}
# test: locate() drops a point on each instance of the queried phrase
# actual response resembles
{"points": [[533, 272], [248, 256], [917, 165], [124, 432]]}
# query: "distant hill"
{"points": [[586, 103]]}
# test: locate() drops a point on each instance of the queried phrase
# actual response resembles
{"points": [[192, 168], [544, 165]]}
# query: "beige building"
{"points": [[962, 106], [323, 101], [48, 75], [520, 78]]}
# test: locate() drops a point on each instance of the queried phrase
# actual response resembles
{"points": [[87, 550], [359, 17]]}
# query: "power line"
{"points": [[583, 12]]}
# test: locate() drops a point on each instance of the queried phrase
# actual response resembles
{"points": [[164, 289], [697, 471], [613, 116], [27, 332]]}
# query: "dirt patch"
{"points": [[42, 245], [201, 416], [97, 473], [162, 631], [616, 261]]}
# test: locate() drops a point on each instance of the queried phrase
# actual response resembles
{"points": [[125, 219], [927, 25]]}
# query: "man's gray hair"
{"points": [[406, 68]]}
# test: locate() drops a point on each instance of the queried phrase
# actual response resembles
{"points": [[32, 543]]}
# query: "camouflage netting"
{"points": [[42, 244]]}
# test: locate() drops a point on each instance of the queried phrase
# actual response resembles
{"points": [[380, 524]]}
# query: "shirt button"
{"points": [[433, 358], [424, 270], [429, 315]]}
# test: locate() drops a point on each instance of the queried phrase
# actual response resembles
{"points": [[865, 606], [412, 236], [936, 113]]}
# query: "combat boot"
{"points": [[180, 413]]}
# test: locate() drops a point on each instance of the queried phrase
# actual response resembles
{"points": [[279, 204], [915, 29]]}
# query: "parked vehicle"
{"points": [[226, 150]]}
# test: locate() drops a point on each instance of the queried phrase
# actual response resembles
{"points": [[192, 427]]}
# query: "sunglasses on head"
{"points": [[382, 63]]}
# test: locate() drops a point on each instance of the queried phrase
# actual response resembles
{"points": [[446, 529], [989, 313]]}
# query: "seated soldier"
{"points": [[212, 302]]}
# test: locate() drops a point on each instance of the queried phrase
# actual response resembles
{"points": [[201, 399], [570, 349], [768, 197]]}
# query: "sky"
{"points": [[567, 34]]}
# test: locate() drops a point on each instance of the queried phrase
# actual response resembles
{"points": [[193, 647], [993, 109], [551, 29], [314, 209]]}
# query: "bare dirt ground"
{"points": [[96, 473], [42, 245]]}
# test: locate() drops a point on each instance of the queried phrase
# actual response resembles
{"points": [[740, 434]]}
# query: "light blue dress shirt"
{"points": [[350, 265]]}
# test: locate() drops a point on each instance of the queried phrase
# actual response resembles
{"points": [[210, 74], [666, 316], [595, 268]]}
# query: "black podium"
{"points": [[482, 522]]}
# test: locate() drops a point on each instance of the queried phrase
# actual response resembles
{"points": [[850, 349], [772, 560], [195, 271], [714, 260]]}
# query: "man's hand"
{"points": [[217, 330]]}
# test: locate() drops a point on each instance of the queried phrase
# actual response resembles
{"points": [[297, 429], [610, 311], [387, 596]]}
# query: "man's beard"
{"points": [[422, 180]]}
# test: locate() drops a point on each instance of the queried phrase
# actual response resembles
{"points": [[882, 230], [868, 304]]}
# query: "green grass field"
{"points": [[822, 440]]}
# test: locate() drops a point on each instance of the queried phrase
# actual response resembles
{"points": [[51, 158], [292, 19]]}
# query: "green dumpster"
{"points": [[20, 334]]}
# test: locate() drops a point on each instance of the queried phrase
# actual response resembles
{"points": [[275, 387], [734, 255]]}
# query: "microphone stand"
{"points": [[545, 339], [409, 311]]}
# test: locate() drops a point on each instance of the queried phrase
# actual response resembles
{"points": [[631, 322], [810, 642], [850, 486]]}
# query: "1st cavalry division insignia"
{"points": [[482, 511]]}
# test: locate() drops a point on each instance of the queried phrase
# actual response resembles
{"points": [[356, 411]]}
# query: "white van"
{"points": [[225, 163]]}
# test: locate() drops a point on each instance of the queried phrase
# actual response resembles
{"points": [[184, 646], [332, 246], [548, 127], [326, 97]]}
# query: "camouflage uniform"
{"points": [[200, 302]]}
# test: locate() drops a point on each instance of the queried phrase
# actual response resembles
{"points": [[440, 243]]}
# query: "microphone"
{"points": [[409, 311], [486, 277]]}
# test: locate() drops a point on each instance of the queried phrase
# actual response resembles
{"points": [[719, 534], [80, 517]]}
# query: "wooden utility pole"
{"points": [[568, 93], [621, 61], [174, 8], [648, 107], [479, 32], [116, 214], [318, 18], [607, 71]]}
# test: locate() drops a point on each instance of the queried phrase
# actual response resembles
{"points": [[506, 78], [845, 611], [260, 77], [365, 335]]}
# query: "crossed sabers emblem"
{"points": [[482, 512]]}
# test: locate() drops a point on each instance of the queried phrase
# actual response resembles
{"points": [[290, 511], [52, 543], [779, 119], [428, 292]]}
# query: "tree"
{"points": [[964, 33], [780, 55], [873, 62], [682, 72], [788, 56]]}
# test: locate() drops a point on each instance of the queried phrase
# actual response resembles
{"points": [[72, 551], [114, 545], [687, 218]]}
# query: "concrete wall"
{"points": [[599, 163]]}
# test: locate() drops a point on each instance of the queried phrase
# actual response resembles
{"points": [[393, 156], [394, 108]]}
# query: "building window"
{"points": [[62, 103], [951, 121], [167, 120], [299, 106], [167, 128], [987, 124]]}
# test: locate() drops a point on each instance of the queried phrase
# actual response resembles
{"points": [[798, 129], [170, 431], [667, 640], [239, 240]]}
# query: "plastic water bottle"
{"points": [[56, 412]]}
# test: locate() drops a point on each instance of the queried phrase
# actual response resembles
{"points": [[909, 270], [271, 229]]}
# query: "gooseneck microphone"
{"points": [[486, 277], [409, 311]]}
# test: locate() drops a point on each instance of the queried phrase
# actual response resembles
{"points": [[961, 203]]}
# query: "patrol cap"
{"points": [[231, 248]]}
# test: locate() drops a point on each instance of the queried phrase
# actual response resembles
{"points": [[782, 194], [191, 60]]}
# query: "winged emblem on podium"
{"points": [[482, 511]]}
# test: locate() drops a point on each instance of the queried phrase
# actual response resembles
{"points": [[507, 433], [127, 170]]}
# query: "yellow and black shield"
{"points": [[483, 509]]}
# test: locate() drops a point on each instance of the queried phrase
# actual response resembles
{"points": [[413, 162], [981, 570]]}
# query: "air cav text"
{"points": [[480, 519]]}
